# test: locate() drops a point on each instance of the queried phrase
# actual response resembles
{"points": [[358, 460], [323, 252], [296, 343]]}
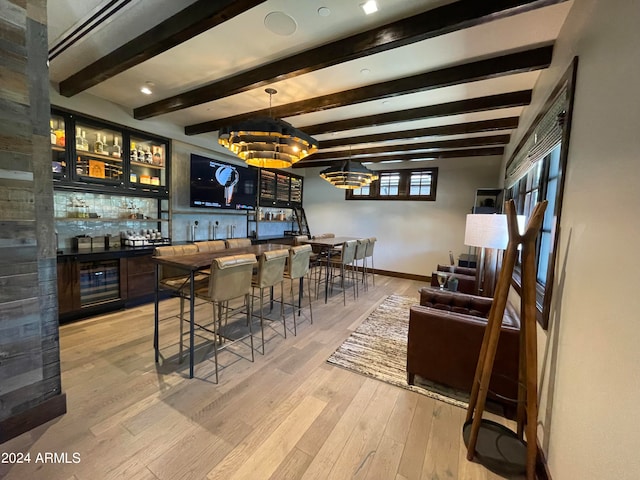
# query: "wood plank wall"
{"points": [[30, 386]]}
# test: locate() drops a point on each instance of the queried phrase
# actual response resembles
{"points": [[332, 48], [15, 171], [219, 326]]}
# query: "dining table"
{"points": [[193, 263], [325, 246]]}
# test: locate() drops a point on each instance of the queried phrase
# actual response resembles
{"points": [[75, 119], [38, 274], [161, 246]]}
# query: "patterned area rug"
{"points": [[378, 349]]}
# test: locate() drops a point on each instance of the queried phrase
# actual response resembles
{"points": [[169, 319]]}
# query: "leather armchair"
{"points": [[444, 339], [466, 277]]}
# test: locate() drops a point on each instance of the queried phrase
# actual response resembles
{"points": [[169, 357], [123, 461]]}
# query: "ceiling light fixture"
{"points": [[370, 7], [348, 175], [146, 88], [267, 142]]}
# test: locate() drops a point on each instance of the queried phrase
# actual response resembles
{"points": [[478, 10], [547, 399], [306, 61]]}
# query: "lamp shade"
{"points": [[487, 231], [267, 142]]}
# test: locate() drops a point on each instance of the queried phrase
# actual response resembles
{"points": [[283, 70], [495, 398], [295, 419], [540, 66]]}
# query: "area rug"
{"points": [[378, 349]]}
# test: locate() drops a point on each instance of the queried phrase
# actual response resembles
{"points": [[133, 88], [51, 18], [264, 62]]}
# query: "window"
{"points": [[404, 184], [535, 172]]}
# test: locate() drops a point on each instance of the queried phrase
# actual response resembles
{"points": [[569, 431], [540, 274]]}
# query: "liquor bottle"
{"points": [[116, 151], [140, 154], [147, 156], [134, 152], [79, 144], [85, 142], [98, 146], [53, 134]]}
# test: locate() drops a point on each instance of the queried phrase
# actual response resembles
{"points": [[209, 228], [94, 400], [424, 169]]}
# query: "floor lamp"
{"points": [[485, 231], [492, 443]]}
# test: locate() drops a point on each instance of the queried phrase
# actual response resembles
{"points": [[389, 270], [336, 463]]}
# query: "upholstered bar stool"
{"points": [[298, 267], [211, 246], [361, 247], [369, 255], [238, 242], [346, 259], [230, 279], [175, 280], [270, 273]]}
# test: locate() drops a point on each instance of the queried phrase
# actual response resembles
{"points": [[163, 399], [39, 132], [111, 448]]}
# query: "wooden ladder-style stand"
{"points": [[527, 411]]}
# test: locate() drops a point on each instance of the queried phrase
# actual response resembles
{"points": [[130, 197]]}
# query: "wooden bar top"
{"points": [[198, 261]]}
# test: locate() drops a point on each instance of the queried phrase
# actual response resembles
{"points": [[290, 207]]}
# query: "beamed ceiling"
{"points": [[417, 80]]}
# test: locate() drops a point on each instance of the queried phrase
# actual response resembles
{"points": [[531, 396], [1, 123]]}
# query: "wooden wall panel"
{"points": [[30, 384]]}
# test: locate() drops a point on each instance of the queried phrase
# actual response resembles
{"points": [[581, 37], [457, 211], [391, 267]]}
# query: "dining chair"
{"points": [[270, 272], [346, 259], [230, 279], [297, 268], [238, 242], [175, 281]]}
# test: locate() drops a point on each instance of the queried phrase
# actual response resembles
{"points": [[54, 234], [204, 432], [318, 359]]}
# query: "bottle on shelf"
{"points": [[98, 146], [134, 152], [54, 139], [116, 151], [85, 142], [79, 144], [147, 155], [140, 153]]}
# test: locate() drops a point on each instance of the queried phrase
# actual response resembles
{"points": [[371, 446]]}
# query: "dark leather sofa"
{"points": [[444, 339], [466, 277]]}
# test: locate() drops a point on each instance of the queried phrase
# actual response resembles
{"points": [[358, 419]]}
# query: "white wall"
{"points": [[412, 236], [590, 357]]}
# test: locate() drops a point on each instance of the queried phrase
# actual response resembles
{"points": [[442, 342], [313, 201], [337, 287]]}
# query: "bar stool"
{"points": [[238, 242], [230, 279], [298, 267], [211, 246], [174, 280], [361, 247], [270, 273], [346, 258], [369, 254]]}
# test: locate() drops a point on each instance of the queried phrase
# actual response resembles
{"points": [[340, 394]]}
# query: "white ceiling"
{"points": [[244, 42]]}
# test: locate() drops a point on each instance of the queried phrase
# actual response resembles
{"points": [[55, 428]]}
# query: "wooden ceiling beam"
{"points": [[470, 152], [440, 130], [361, 154], [438, 21], [524, 61], [470, 105], [199, 17]]}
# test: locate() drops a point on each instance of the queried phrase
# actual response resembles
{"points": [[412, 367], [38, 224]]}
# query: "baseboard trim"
{"points": [[23, 422], [408, 276]]}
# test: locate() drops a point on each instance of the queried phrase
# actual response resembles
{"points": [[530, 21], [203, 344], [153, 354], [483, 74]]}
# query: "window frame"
{"points": [[526, 162], [404, 186]]}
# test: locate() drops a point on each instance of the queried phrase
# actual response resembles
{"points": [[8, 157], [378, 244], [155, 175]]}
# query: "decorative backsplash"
{"points": [[99, 214]]}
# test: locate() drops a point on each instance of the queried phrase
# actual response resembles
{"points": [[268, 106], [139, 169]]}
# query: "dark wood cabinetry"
{"points": [[140, 276], [68, 285]]}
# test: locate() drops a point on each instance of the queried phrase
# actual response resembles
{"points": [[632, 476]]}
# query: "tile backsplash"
{"points": [[99, 214]]}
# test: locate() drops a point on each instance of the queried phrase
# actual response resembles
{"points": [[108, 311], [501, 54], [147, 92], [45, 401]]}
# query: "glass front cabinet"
{"points": [[93, 152]]}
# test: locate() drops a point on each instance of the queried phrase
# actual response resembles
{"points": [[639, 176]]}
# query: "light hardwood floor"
{"points": [[288, 415]]}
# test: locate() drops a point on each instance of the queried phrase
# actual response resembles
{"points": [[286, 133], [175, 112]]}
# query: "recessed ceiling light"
{"points": [[324, 12], [146, 88], [370, 7], [391, 161], [365, 71]]}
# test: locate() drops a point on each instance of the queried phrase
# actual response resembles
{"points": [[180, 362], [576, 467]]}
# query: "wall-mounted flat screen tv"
{"points": [[217, 184]]}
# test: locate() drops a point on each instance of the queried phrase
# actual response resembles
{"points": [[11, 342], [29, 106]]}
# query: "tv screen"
{"points": [[216, 184]]}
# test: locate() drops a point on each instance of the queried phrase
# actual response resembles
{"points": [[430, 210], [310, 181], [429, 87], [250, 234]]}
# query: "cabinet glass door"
{"points": [[282, 189], [296, 191], [58, 147], [98, 154], [147, 160]]}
